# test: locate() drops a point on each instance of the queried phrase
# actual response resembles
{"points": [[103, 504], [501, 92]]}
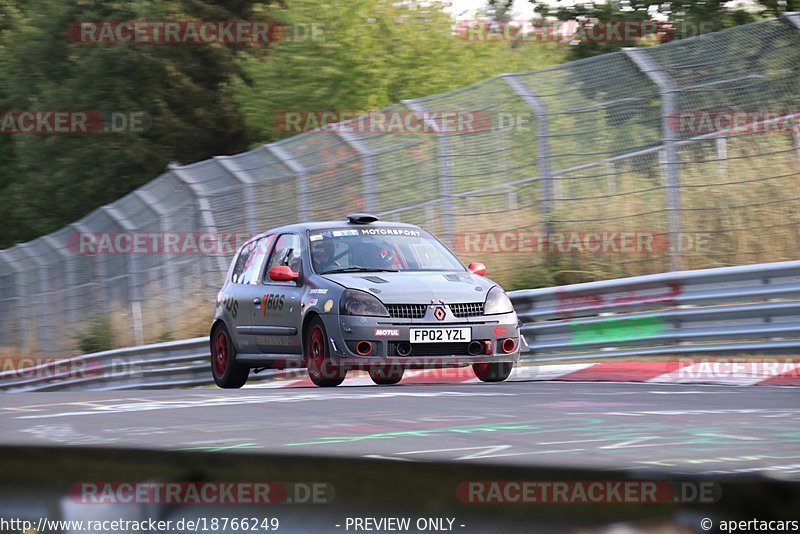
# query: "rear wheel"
{"points": [[322, 371], [227, 372], [386, 375], [492, 372]]}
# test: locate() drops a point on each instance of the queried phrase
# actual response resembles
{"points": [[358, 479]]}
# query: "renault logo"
{"points": [[439, 313]]}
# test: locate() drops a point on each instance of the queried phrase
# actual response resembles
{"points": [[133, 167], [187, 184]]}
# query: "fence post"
{"points": [[367, 170], [71, 282], [611, 176], [17, 299], [793, 17], [542, 145], [167, 261], [300, 172], [99, 291], [247, 185], [132, 262], [796, 135], [445, 170], [204, 209], [722, 152], [40, 304], [669, 109]]}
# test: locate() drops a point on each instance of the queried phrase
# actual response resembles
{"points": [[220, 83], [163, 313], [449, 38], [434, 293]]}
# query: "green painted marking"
{"points": [[673, 435], [538, 425], [617, 329]]}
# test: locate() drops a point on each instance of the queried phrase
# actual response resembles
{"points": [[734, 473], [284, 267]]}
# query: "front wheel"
{"points": [[492, 372], [322, 371], [227, 372], [386, 375]]}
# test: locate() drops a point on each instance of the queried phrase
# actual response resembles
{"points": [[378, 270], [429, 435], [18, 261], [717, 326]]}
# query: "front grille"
{"points": [[406, 311], [470, 309], [431, 349]]}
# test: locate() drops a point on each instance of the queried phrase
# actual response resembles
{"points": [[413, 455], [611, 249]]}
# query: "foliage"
{"points": [[50, 180], [689, 18], [370, 54], [97, 336]]}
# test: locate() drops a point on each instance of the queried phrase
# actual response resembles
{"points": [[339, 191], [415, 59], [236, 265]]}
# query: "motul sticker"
{"points": [[387, 332]]}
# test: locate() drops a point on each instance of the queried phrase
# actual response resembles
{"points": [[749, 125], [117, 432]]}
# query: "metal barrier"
{"points": [[745, 309], [734, 310], [183, 363]]}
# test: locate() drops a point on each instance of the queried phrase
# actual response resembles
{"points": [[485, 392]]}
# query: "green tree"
{"points": [[370, 54], [688, 18], [56, 179]]}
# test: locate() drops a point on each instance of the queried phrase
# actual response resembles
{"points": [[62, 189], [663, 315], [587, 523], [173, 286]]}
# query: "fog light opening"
{"points": [[363, 348], [404, 348]]}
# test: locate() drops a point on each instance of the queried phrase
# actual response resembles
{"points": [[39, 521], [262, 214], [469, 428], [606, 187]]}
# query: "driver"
{"points": [[322, 255], [378, 255]]}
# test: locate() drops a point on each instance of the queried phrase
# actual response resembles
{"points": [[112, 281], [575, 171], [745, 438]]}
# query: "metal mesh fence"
{"points": [[685, 155]]}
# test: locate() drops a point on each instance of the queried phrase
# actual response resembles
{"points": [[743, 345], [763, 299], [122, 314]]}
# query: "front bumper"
{"points": [[386, 337]]}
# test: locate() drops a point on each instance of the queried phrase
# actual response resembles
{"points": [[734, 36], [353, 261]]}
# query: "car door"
{"points": [[244, 291], [278, 316]]}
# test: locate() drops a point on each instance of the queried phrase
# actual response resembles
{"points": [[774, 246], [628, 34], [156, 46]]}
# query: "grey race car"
{"points": [[361, 294]]}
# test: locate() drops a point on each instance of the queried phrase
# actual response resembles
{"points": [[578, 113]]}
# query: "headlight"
{"points": [[497, 302], [354, 302]]}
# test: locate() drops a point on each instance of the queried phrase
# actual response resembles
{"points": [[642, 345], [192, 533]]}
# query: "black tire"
{"points": [[386, 375], [492, 372], [321, 370], [227, 372]]}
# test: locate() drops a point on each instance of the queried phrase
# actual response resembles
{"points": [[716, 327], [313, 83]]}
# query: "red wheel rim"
{"points": [[316, 347], [221, 354]]}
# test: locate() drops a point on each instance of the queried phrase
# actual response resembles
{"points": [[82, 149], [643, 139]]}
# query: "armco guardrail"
{"points": [[745, 309], [732, 310], [182, 363]]}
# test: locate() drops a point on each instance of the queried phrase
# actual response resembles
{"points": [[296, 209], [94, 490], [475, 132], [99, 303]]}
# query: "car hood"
{"points": [[418, 287]]}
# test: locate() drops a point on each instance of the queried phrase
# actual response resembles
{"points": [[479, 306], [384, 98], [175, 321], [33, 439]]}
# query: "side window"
{"points": [[245, 258], [255, 261], [249, 262], [288, 251]]}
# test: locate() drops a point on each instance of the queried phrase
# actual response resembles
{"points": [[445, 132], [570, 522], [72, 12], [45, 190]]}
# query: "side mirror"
{"points": [[283, 273], [477, 268]]}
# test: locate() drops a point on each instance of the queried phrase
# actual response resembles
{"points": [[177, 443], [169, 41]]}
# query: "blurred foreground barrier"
{"points": [[751, 309]]}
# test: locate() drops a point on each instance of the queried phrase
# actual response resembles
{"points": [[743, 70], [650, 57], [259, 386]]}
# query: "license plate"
{"points": [[440, 335]]}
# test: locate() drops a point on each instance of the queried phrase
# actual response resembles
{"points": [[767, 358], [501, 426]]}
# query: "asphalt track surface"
{"points": [[684, 429]]}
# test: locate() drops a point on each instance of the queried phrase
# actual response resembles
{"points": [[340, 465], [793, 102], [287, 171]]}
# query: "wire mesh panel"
{"points": [[738, 90], [686, 154]]}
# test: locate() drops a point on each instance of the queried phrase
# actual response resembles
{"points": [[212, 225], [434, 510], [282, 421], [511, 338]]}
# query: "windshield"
{"points": [[377, 250]]}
